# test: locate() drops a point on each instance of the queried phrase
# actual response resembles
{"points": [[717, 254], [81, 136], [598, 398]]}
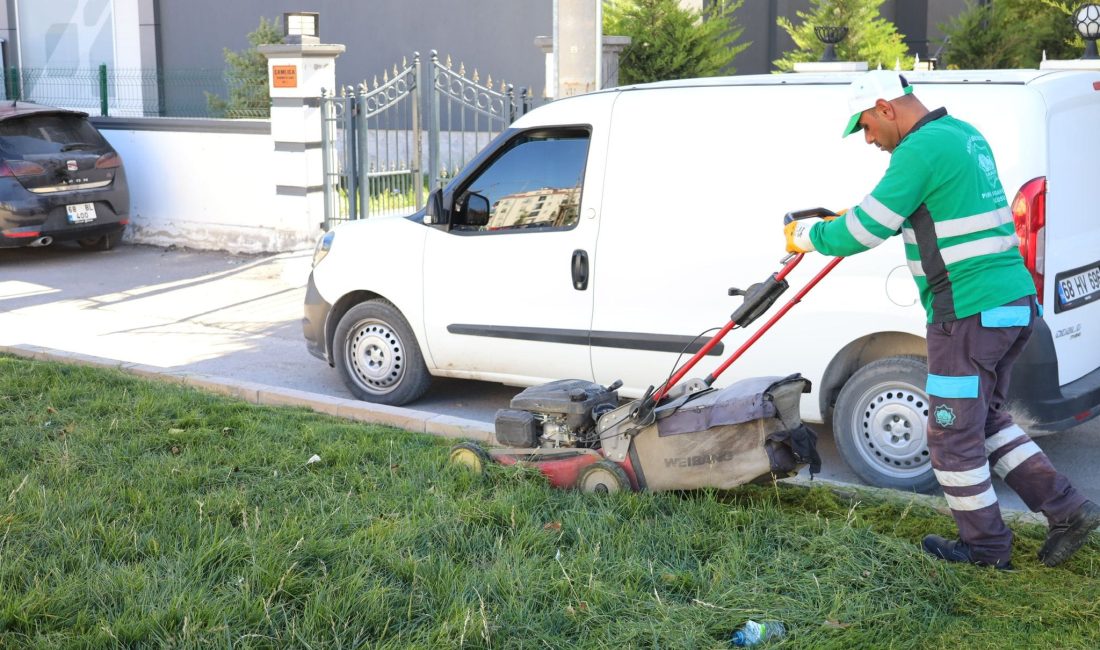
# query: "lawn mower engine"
{"points": [[559, 414]]}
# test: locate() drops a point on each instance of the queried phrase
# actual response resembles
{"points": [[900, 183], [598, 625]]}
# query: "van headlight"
{"points": [[324, 244]]}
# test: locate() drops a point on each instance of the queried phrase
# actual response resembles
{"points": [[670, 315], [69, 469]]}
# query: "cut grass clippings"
{"points": [[142, 514]]}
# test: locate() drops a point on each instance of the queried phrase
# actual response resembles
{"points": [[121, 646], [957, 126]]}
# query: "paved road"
{"points": [[239, 317]]}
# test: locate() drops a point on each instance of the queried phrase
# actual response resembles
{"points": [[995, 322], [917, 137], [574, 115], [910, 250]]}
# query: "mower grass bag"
{"points": [[747, 432]]}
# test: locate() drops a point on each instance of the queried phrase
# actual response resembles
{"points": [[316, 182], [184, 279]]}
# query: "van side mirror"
{"points": [[476, 208], [433, 211]]}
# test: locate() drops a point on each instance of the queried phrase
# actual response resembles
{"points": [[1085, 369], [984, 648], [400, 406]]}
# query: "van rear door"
{"points": [[1071, 296]]}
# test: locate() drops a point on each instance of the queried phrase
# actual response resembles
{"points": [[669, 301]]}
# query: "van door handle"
{"points": [[580, 270]]}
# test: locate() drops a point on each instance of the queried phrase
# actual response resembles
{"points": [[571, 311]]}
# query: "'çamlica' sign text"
{"points": [[285, 76]]}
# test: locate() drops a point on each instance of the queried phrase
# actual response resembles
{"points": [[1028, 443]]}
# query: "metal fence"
{"points": [[131, 92], [376, 137]]}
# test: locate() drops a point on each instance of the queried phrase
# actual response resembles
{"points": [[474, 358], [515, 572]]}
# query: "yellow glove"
{"points": [[798, 233], [798, 236]]}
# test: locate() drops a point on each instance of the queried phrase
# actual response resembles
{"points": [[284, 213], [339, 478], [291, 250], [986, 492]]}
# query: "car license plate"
{"points": [[1077, 287], [81, 212]]}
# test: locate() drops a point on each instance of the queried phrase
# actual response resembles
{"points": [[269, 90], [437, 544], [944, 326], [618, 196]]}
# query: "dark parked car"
{"points": [[59, 180]]}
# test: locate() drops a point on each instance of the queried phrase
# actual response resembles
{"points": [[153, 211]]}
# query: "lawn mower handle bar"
{"points": [[758, 299]]}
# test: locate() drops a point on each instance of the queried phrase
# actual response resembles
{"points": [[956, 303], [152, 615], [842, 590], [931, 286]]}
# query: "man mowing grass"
{"points": [[942, 193]]}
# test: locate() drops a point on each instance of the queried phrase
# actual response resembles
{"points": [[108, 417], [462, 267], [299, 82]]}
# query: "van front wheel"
{"points": [[880, 424], [378, 356]]}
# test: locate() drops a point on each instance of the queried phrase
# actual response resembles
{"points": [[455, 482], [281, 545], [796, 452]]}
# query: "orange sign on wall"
{"points": [[285, 76]]}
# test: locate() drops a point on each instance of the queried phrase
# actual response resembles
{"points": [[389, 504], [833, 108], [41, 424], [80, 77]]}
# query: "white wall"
{"points": [[204, 189]]}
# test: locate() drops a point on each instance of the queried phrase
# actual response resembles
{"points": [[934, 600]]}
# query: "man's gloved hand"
{"points": [[798, 233], [798, 236]]}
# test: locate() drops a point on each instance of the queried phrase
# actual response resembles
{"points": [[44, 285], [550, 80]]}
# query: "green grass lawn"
{"points": [[142, 514]]}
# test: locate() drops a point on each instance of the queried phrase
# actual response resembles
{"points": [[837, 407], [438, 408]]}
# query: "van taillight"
{"points": [[1029, 211], [19, 168], [108, 161]]}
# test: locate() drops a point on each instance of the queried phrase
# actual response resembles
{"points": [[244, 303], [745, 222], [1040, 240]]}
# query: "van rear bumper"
{"points": [[1035, 393]]}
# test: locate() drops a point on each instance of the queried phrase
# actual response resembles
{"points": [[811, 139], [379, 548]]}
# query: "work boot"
{"points": [[957, 550], [1065, 538]]}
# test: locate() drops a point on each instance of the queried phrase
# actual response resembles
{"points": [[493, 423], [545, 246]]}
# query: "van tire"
{"points": [[378, 356], [880, 424]]}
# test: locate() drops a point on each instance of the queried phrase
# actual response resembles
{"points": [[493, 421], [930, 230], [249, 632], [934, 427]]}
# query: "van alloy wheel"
{"points": [[378, 356], [880, 424]]}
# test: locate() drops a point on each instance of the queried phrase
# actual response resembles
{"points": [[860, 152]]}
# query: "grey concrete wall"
{"points": [[495, 36]]}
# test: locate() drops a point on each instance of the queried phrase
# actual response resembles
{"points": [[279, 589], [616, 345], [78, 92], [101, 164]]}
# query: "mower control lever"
{"points": [[758, 299]]}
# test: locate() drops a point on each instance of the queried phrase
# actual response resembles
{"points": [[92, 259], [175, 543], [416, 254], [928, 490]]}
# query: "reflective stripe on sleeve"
{"points": [[976, 502], [859, 232], [1012, 459], [882, 215]]}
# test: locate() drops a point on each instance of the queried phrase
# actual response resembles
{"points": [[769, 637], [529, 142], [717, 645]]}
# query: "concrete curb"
{"points": [[446, 426]]}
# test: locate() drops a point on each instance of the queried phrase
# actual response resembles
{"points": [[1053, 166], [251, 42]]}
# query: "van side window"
{"points": [[535, 183]]}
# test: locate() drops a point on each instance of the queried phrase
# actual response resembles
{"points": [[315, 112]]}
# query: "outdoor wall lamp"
{"points": [[1087, 21], [830, 36], [301, 23]]}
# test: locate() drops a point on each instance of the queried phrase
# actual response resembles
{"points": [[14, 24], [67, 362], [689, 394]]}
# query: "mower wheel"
{"points": [[471, 456], [602, 477]]}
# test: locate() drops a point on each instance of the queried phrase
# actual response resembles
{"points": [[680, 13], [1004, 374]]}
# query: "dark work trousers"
{"points": [[969, 367]]}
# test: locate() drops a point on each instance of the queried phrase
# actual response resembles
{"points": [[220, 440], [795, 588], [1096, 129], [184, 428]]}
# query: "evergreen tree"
{"points": [[870, 38], [669, 41], [246, 76], [1011, 34]]}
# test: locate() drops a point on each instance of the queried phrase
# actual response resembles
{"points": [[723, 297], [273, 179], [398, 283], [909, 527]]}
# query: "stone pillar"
{"points": [[577, 46], [612, 48], [297, 72]]}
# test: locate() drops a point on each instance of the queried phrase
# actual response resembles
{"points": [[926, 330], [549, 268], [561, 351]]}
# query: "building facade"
{"points": [[495, 36]]}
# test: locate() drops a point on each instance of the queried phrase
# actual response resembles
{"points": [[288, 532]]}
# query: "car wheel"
{"points": [[378, 356], [880, 424], [101, 243]]}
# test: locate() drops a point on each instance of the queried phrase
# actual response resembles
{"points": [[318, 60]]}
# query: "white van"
{"points": [[598, 236]]}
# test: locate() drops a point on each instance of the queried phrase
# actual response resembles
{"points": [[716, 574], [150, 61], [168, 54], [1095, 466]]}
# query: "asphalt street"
{"points": [[239, 317]]}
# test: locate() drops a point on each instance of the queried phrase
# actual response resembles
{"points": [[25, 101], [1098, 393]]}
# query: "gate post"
{"points": [[418, 173], [433, 124], [297, 72], [328, 153], [352, 138]]}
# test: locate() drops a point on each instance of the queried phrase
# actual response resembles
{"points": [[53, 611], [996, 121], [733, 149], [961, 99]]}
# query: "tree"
{"points": [[1010, 34], [669, 41], [871, 37], [246, 76]]}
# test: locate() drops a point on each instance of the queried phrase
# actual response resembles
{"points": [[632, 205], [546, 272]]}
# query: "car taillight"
{"points": [[1029, 211], [108, 161], [20, 168]]}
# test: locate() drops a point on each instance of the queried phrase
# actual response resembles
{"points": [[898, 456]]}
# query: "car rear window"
{"points": [[48, 134]]}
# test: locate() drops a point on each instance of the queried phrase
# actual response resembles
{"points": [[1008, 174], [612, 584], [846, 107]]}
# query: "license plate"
{"points": [[1078, 287], [81, 212]]}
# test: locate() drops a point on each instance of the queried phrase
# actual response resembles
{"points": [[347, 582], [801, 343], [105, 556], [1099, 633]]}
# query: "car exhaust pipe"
{"points": [[42, 241]]}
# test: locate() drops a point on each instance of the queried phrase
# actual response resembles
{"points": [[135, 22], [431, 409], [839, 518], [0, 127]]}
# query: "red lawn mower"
{"points": [[680, 436]]}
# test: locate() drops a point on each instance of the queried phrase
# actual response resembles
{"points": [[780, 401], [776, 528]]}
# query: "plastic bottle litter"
{"points": [[754, 633]]}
